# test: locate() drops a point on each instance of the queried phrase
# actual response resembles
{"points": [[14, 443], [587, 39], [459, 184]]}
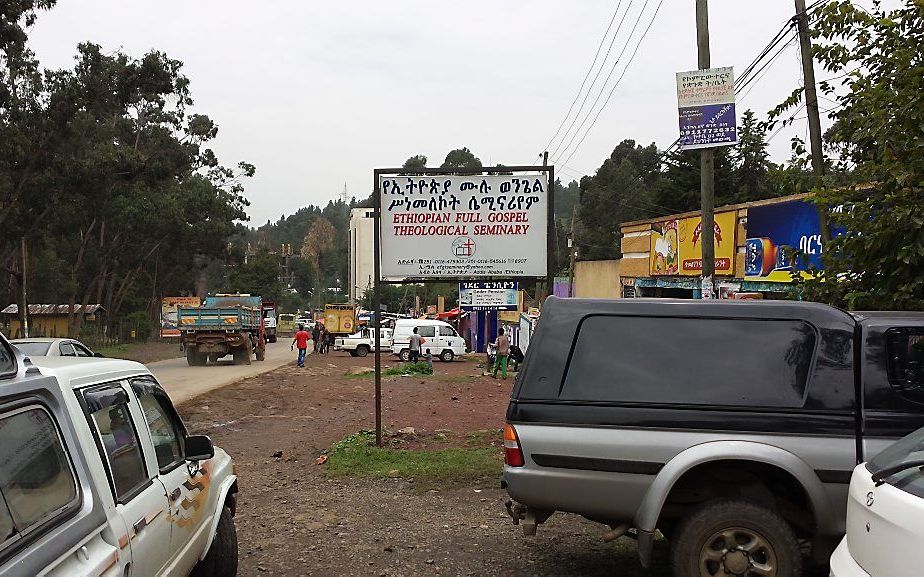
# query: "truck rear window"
{"points": [[660, 360]]}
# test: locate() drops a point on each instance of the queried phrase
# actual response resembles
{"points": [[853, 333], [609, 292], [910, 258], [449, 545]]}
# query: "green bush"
{"points": [[140, 322]]}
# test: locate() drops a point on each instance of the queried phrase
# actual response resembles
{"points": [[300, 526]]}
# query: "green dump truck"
{"points": [[223, 325]]}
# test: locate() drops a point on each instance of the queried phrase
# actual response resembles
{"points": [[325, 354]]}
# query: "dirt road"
{"points": [[295, 518], [183, 382]]}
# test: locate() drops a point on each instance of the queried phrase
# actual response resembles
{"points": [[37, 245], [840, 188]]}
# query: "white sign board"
{"points": [[706, 108], [446, 227], [489, 296]]}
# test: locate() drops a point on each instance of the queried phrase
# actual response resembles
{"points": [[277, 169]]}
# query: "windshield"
{"points": [[911, 448], [34, 349]]}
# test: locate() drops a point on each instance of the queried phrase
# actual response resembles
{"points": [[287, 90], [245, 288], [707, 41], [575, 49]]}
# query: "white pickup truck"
{"points": [[362, 343]]}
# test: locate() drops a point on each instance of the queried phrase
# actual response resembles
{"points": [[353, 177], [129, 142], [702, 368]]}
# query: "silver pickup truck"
{"points": [[99, 476], [730, 427]]}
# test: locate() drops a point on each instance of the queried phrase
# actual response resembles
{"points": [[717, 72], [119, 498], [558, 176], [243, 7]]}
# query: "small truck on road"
{"points": [[223, 325], [362, 343]]}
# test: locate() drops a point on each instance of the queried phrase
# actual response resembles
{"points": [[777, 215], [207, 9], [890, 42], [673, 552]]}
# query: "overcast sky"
{"points": [[317, 94]]}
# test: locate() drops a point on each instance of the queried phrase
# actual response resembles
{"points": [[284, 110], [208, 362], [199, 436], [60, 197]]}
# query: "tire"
{"points": [[240, 356], [404, 355], [261, 354], [447, 356], [726, 537], [192, 357], [362, 351], [221, 560], [272, 338]]}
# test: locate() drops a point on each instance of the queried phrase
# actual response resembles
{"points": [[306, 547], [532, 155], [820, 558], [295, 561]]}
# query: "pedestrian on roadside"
{"points": [[323, 346], [329, 344], [316, 336], [301, 341], [416, 344], [503, 352]]}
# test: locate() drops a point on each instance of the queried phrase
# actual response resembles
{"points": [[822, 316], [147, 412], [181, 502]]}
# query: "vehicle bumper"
{"points": [[843, 563]]}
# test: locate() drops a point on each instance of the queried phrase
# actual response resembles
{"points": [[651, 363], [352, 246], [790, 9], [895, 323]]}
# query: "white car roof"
{"points": [[419, 322], [76, 372], [39, 340]]}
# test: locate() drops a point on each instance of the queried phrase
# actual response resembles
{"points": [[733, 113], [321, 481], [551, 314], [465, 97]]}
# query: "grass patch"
{"points": [[114, 351], [406, 369], [357, 456]]}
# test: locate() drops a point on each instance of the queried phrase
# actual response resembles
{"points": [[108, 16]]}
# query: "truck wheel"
{"points": [[261, 353], [728, 537], [221, 560], [362, 351], [192, 357], [272, 338], [404, 355], [447, 356], [240, 356]]}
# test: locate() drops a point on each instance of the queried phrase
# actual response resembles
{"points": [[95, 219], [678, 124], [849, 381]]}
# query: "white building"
{"points": [[362, 265]]}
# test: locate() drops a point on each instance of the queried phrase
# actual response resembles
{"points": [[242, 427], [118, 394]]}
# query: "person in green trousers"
{"points": [[503, 353]]}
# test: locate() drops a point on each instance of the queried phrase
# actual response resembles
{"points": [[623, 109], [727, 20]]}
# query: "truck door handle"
{"points": [[139, 525], [175, 494]]}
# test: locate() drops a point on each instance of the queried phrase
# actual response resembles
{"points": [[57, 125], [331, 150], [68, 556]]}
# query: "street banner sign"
{"points": [[489, 296], [444, 227], [706, 107]]}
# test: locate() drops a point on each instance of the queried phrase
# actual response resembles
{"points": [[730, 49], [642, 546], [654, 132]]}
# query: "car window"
{"points": [[67, 350], [81, 350], [447, 332], [905, 348], [166, 430], [36, 479], [732, 362], [34, 349], [7, 361], [119, 439], [428, 331], [908, 449]]}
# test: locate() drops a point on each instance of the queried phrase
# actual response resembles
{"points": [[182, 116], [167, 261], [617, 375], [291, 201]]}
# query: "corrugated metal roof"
{"points": [[50, 309]]}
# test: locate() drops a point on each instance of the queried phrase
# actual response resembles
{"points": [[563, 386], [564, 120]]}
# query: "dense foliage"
{"points": [[878, 134], [108, 191]]}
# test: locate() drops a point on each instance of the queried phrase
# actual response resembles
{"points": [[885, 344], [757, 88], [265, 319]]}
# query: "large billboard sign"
{"points": [[775, 233], [168, 321], [677, 249], [706, 108], [450, 226], [689, 232], [489, 296]]}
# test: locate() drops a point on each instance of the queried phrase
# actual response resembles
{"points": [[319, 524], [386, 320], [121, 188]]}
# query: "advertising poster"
{"points": [[444, 227], [168, 306], [706, 108], [489, 296], [775, 232], [690, 232], [665, 248]]}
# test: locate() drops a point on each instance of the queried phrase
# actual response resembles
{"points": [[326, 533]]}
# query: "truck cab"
{"points": [[101, 477]]}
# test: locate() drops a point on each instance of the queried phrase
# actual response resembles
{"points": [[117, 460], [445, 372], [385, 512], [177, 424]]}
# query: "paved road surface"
{"points": [[184, 382]]}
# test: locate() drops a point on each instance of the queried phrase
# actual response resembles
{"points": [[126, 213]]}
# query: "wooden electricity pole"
{"points": [[811, 107], [707, 157], [572, 252]]}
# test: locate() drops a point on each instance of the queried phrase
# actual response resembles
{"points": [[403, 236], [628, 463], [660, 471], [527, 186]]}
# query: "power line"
{"points": [[618, 80], [586, 76], [597, 76]]}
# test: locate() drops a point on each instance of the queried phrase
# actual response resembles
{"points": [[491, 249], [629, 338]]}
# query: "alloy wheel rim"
{"points": [[737, 552]]}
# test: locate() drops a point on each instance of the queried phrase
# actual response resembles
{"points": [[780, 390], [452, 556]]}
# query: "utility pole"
{"points": [[549, 289], [706, 158], [811, 107], [24, 313], [572, 253]]}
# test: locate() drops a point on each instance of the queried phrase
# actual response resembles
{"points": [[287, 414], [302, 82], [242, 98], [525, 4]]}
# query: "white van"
{"points": [[441, 339]]}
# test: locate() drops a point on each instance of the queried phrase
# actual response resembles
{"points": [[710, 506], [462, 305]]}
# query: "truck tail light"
{"points": [[513, 454]]}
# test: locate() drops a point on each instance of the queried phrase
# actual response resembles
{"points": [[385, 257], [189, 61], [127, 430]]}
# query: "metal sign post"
{"points": [[479, 220]]}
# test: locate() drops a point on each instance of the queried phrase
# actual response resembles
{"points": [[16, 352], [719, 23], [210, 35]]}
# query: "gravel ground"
{"points": [[294, 519]]}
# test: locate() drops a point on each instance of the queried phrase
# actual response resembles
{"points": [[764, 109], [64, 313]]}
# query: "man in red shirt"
{"points": [[301, 340]]}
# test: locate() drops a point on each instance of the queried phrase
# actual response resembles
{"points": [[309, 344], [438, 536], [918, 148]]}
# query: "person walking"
{"points": [[416, 345], [316, 336], [503, 353], [301, 341]]}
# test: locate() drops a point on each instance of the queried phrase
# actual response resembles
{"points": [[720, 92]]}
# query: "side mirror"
{"points": [[100, 355], [199, 448]]}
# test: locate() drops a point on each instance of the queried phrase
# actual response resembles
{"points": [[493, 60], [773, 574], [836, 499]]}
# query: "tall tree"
{"points": [[618, 192], [416, 162], [878, 262], [751, 162], [461, 158], [679, 190]]}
